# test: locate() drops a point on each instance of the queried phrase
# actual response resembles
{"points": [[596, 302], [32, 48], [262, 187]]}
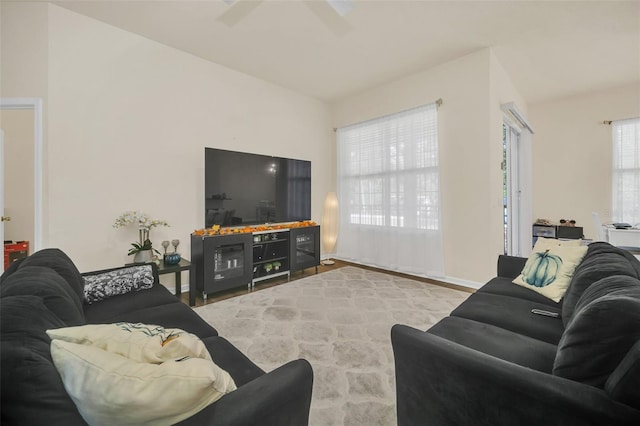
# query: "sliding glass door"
{"points": [[511, 190]]}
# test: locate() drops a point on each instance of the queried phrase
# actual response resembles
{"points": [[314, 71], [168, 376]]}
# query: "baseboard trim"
{"points": [[446, 281], [463, 283], [172, 288]]}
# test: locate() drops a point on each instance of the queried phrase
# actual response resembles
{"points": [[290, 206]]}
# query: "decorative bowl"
{"points": [[172, 258]]}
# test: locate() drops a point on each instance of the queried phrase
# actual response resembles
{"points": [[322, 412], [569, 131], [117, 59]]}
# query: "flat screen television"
{"points": [[249, 189]]}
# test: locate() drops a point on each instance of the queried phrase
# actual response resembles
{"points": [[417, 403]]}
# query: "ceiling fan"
{"points": [[329, 11]]}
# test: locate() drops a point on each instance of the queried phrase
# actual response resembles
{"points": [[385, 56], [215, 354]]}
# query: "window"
{"points": [[388, 190], [389, 172], [626, 171]]}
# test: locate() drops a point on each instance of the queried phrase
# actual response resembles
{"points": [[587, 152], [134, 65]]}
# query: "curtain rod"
{"points": [[608, 122], [438, 103]]}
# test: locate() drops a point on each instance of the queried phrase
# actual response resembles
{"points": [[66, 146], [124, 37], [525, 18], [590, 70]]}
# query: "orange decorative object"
{"points": [[15, 251], [217, 230]]}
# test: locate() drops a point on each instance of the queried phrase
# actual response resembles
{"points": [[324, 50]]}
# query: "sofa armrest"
{"points": [[439, 382], [510, 266], [281, 397]]}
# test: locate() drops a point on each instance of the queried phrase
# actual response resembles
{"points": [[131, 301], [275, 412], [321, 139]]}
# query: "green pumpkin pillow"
{"points": [[549, 270]]}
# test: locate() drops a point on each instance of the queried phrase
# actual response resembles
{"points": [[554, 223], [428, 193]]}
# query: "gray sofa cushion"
{"points": [[512, 313], [602, 260], [506, 287], [116, 306], [48, 285], [57, 260], [622, 384], [32, 390], [604, 327], [13, 267], [170, 315], [498, 342]]}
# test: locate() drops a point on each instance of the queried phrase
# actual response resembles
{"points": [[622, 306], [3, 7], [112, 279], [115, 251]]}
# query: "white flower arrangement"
{"points": [[144, 225], [142, 219]]}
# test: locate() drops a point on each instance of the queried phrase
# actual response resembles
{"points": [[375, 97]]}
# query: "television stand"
{"points": [[229, 261]]}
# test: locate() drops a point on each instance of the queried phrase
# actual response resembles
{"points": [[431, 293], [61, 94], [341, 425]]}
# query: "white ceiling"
{"points": [[549, 48]]}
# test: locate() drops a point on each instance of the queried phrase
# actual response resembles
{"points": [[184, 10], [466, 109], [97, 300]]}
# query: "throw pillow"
{"points": [[545, 243], [109, 388], [118, 281], [138, 342], [549, 271], [604, 327]]}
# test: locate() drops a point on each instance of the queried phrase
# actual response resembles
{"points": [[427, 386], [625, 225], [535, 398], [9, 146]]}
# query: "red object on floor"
{"points": [[15, 251]]}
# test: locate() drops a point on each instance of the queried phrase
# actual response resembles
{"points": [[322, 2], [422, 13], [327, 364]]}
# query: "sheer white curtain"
{"points": [[389, 193], [626, 171]]}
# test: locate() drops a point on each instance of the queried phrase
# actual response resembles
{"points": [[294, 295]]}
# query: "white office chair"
{"points": [[602, 233]]}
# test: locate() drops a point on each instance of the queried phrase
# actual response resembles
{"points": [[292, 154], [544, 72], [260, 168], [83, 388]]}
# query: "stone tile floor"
{"points": [[340, 321]]}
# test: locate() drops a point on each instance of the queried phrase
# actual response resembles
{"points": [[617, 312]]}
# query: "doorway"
{"points": [[18, 114]]}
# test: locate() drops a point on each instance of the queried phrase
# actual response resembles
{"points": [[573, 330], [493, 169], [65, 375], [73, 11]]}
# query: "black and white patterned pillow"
{"points": [[119, 281]]}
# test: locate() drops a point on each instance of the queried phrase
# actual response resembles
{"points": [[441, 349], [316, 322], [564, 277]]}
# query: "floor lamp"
{"points": [[329, 229]]}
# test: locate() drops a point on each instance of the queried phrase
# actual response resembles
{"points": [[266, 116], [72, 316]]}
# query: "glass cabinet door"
{"points": [[305, 247], [228, 261]]}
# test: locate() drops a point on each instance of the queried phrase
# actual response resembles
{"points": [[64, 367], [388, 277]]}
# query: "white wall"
{"points": [[24, 29], [470, 135], [23, 65], [572, 152], [128, 122]]}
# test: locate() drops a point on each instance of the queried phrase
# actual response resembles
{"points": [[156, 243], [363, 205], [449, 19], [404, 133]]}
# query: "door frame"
{"points": [[2, 191], [514, 191], [34, 104]]}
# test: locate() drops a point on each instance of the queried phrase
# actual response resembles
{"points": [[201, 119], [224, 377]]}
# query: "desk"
{"points": [[184, 265], [628, 238]]}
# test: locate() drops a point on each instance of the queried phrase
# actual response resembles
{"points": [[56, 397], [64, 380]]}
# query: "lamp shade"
{"points": [[329, 228]]}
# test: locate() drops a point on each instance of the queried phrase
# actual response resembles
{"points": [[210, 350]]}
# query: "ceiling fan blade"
{"points": [[342, 7], [329, 17], [237, 11]]}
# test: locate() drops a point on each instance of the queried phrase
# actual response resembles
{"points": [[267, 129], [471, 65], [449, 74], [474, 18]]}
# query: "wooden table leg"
{"points": [[178, 282], [192, 285]]}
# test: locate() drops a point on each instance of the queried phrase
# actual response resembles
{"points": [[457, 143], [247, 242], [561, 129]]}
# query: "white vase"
{"points": [[143, 234], [143, 256]]}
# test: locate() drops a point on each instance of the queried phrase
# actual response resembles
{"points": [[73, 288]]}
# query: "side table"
{"points": [[184, 265]]}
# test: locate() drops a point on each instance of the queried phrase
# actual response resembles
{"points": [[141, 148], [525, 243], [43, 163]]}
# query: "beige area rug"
{"points": [[340, 321]]}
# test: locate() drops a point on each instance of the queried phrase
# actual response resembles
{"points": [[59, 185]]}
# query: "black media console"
{"points": [[224, 262]]}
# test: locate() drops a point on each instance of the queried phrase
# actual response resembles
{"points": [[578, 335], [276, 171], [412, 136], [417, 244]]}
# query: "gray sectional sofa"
{"points": [[46, 291], [494, 361]]}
